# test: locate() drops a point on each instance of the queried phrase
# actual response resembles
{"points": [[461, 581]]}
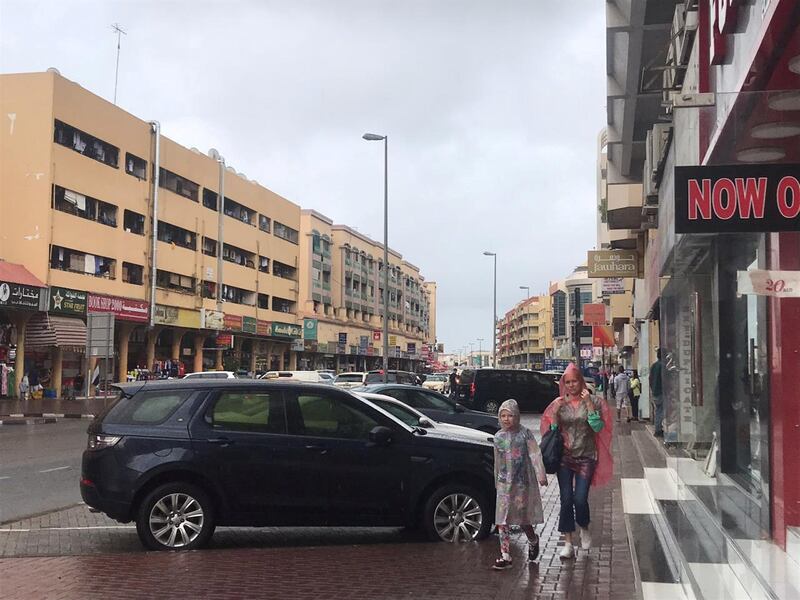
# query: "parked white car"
{"points": [[412, 417], [211, 375], [350, 380], [437, 382], [307, 376]]}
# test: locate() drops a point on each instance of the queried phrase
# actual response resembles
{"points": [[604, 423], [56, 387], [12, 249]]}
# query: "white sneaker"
{"points": [[568, 551], [586, 539]]}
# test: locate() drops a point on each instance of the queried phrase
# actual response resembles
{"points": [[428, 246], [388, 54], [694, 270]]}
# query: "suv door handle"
{"points": [[320, 449], [223, 441]]}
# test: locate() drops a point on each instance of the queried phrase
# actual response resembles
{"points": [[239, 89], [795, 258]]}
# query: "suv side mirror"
{"points": [[459, 409], [380, 435], [425, 422]]}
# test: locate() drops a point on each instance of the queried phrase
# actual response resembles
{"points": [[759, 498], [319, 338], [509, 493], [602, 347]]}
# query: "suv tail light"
{"points": [[472, 390], [99, 441]]}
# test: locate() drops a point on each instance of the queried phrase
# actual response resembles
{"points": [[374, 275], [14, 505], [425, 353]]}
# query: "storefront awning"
{"points": [[14, 273], [52, 331]]}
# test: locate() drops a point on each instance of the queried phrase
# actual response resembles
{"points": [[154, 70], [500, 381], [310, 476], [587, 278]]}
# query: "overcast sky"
{"points": [[492, 109]]}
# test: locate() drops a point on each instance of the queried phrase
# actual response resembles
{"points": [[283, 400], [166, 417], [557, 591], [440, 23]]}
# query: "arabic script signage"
{"points": [[19, 296], [64, 301], [613, 263], [123, 309], [286, 330]]}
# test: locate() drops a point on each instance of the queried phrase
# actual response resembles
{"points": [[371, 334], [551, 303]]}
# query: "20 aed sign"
{"points": [[733, 198]]}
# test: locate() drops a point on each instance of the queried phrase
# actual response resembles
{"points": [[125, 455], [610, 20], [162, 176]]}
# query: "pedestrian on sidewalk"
{"points": [[633, 396], [517, 468], [622, 385], [585, 424], [656, 391]]}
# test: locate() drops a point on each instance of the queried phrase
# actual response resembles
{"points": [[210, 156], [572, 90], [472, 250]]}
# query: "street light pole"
{"points": [[471, 360], [527, 353], [494, 310], [371, 137], [480, 352]]}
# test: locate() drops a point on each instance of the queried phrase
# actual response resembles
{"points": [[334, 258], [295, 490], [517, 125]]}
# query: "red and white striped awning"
{"points": [[51, 331]]}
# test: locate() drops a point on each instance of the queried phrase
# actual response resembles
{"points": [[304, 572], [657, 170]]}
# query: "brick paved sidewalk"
{"points": [[307, 563]]}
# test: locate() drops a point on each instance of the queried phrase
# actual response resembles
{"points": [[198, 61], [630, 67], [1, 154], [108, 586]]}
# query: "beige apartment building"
{"points": [[341, 300], [81, 211], [88, 225], [525, 334]]}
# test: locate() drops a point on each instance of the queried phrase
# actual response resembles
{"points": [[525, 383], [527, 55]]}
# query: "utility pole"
{"points": [[576, 302], [120, 32]]}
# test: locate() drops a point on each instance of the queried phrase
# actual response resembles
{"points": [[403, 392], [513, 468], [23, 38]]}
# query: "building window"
{"points": [[284, 271], [133, 222], [282, 305], [135, 166], [263, 301], [286, 233], [132, 273], [238, 256], [209, 289], [172, 234], [239, 212], [559, 314], [174, 281], [238, 295], [209, 247], [75, 261], [83, 143], [177, 184], [263, 264], [85, 207], [209, 199], [264, 223]]}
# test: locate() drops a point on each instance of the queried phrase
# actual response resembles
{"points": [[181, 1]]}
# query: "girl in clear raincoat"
{"points": [[517, 469]]}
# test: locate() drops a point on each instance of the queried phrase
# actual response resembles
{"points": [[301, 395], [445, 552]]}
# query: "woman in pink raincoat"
{"points": [[585, 423]]}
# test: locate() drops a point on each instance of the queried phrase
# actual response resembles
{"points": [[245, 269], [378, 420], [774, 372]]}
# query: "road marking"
{"points": [[55, 469], [6, 477], [68, 528]]}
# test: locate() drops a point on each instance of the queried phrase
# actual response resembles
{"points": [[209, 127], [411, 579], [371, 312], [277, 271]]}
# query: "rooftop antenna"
{"points": [[120, 32]]}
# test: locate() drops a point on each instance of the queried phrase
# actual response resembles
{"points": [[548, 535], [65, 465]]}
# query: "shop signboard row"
{"points": [[17, 295], [66, 301], [177, 317], [124, 309]]}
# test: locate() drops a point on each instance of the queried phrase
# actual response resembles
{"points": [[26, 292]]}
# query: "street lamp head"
{"points": [[372, 137], [487, 253]]}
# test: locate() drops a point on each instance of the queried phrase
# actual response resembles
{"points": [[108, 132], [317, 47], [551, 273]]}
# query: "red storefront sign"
{"points": [[594, 314], [123, 309], [602, 336], [376, 335], [224, 340], [263, 327], [232, 322]]}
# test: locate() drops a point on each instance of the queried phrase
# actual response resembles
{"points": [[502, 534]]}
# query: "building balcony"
{"points": [[624, 206], [623, 239]]}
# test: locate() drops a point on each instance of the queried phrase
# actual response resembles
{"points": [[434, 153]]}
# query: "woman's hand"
{"points": [[543, 482]]}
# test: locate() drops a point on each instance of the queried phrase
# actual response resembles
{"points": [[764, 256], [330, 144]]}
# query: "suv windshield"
{"points": [[350, 377]]}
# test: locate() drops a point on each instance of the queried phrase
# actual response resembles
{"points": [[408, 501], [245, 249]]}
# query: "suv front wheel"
{"points": [[175, 516], [455, 513]]}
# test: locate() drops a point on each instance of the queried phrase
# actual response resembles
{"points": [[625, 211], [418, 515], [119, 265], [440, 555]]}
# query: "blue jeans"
{"points": [[574, 500], [658, 401]]}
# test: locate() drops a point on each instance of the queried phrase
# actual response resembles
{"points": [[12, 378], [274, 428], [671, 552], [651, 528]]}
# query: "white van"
{"points": [[307, 376]]}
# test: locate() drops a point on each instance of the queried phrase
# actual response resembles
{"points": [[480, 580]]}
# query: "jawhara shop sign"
{"points": [[613, 263], [737, 198]]}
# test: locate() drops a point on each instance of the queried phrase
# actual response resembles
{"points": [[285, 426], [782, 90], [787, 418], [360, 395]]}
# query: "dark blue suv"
{"points": [[182, 457]]}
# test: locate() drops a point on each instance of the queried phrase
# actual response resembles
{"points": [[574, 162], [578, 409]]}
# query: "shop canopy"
{"points": [[52, 331], [14, 273]]}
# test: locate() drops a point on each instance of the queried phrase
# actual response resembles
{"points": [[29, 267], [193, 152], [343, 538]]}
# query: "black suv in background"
{"points": [[487, 389], [181, 457]]}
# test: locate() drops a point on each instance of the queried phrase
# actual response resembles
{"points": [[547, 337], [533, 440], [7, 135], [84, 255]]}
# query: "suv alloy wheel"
{"points": [[175, 516], [456, 512]]}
